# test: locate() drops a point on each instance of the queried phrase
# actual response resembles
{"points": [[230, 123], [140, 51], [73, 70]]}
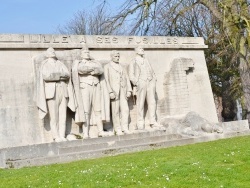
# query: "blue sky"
{"points": [[42, 16]]}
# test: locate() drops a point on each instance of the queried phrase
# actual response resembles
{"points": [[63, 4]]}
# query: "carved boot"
{"points": [[99, 124], [86, 128], [157, 126], [140, 125], [125, 129], [54, 131], [62, 130], [119, 132]]}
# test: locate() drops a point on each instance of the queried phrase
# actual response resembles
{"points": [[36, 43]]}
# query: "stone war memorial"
{"points": [[71, 97]]}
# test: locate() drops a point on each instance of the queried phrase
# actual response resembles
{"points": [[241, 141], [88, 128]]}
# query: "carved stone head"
{"points": [[85, 53], [139, 50], [115, 56], [50, 53]]}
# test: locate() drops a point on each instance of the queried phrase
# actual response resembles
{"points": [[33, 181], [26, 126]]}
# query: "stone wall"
{"points": [[182, 80]]}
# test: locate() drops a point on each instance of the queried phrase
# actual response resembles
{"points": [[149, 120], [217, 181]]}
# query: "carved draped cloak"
{"points": [[40, 90], [105, 101]]}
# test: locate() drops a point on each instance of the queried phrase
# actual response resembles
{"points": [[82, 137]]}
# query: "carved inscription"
{"points": [[145, 41], [11, 38], [136, 40], [35, 38], [154, 40], [75, 38], [56, 39], [107, 40]]}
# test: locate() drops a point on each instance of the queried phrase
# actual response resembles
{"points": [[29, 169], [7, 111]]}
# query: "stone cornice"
{"points": [[24, 41]]}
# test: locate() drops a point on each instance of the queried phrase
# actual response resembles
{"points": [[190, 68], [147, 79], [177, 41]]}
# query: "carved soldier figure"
{"points": [[119, 88], [53, 94], [143, 79], [86, 80]]}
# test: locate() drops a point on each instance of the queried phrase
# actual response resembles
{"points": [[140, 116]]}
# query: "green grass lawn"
{"points": [[223, 163]]}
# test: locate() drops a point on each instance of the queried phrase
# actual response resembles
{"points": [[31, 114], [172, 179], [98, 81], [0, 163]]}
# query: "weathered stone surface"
{"points": [[176, 92], [19, 122], [235, 126], [193, 125], [51, 153]]}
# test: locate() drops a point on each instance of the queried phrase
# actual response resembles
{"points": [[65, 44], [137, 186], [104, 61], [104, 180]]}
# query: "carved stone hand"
{"points": [[112, 96], [128, 94], [64, 76]]}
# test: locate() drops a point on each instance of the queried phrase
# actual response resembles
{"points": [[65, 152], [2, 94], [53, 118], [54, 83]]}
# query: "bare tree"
{"points": [[77, 25], [138, 14], [224, 24], [95, 22]]}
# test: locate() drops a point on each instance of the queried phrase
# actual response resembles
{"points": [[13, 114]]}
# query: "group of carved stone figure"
{"points": [[90, 90]]}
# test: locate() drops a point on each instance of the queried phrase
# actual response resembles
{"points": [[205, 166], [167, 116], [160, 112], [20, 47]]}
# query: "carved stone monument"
{"points": [[140, 92], [86, 95]]}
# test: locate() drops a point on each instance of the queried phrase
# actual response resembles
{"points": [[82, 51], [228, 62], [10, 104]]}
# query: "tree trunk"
{"points": [[245, 81]]}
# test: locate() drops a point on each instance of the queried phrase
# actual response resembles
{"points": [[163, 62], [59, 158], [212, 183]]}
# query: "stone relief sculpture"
{"points": [[119, 88], [143, 79], [192, 124], [54, 94], [182, 87], [96, 89], [90, 92], [176, 100]]}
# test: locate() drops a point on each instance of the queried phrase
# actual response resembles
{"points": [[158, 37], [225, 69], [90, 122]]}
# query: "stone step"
{"points": [[135, 135], [117, 143], [51, 149], [114, 150], [59, 153]]}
